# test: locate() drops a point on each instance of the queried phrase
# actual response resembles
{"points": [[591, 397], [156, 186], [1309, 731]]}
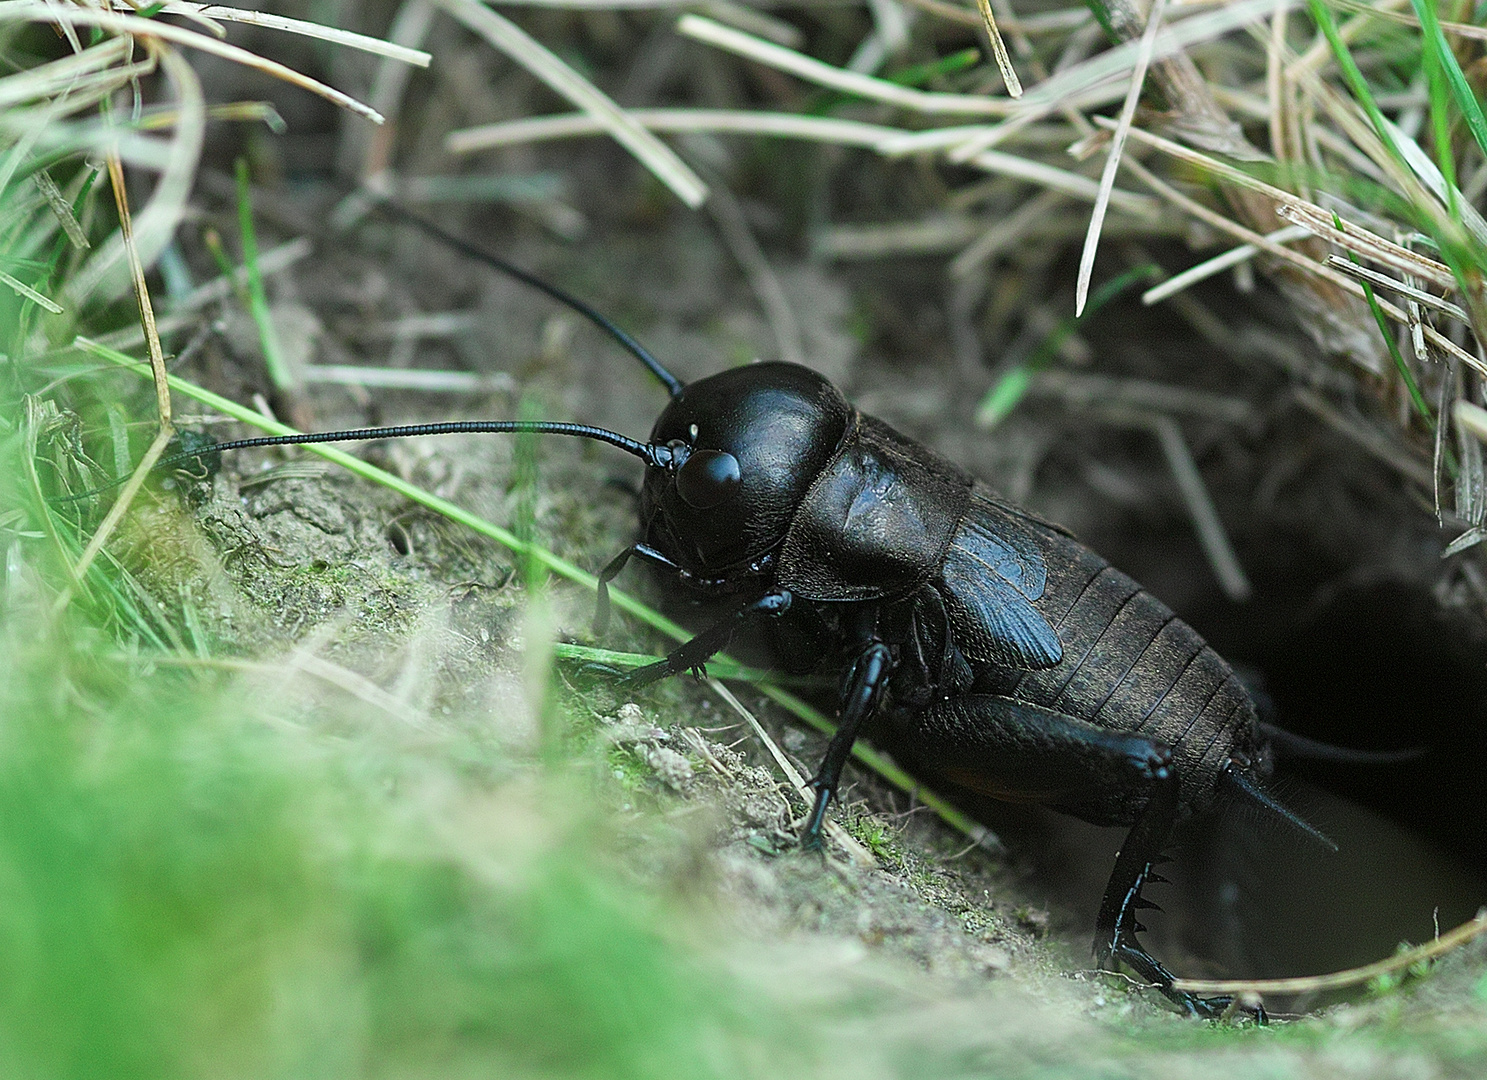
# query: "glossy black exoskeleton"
{"points": [[1012, 659]]}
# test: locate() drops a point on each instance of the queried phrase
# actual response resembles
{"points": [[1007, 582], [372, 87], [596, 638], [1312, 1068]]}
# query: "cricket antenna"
{"points": [[655, 454], [674, 386]]}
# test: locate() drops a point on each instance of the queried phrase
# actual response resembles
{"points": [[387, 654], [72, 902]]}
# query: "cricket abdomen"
{"points": [[1129, 664]]}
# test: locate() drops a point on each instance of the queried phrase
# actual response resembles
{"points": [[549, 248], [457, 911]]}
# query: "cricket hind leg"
{"points": [[1022, 752], [1118, 923]]}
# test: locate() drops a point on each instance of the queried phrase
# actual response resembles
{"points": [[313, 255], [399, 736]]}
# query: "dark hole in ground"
{"points": [[397, 538], [1374, 664], [1380, 665]]}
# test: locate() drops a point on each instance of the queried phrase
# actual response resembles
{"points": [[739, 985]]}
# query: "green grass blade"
{"points": [[1435, 45], [1440, 117], [48, 276], [278, 370], [919, 74], [1353, 76], [722, 667], [1385, 330], [1010, 389], [1404, 372], [1002, 398]]}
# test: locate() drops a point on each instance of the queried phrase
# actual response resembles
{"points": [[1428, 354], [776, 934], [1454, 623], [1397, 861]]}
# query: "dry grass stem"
{"points": [[410, 28], [141, 294], [856, 851], [964, 139], [520, 46], [1081, 390], [1337, 980], [1218, 264], [844, 132], [1384, 281], [602, 5], [435, 324], [951, 12], [1174, 38], [987, 137], [53, 137], [80, 93], [1472, 417], [694, 739], [162, 393], [1211, 534], [1306, 210], [723, 121], [1043, 22], [1405, 18], [734, 228], [348, 38], [1367, 244], [115, 514], [812, 70], [165, 118], [1308, 63], [355, 684], [1348, 116], [1070, 183], [153, 29], [999, 50], [419, 379], [881, 240], [1005, 233], [1376, 442], [1311, 266], [61, 76], [752, 20], [301, 660], [273, 261], [1276, 90], [1112, 162], [155, 225]]}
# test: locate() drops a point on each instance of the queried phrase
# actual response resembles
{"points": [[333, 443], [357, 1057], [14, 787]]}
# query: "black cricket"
{"points": [[1013, 659]]}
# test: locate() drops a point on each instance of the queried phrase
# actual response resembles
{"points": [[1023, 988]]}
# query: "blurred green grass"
{"points": [[190, 887]]}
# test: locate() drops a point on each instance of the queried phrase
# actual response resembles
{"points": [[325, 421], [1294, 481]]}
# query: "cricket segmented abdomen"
{"points": [[1129, 664]]}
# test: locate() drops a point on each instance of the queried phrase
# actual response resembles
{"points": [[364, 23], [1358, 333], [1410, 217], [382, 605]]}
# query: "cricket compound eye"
{"points": [[708, 478]]}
